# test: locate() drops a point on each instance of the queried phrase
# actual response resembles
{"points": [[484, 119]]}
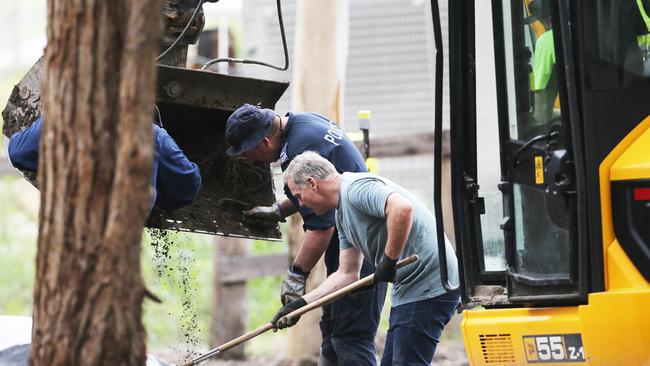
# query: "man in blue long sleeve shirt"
{"points": [[176, 180]]}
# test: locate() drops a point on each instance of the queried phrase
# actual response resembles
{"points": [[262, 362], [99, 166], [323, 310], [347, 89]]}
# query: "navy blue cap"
{"points": [[246, 127]]}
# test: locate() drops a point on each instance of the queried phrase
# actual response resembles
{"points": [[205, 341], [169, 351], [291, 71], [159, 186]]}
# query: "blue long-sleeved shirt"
{"points": [[175, 179]]}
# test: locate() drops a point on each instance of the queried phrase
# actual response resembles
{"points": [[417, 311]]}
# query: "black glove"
{"points": [[280, 319], [385, 270]]}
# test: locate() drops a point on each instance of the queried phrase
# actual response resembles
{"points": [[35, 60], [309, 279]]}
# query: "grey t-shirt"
{"points": [[361, 223]]}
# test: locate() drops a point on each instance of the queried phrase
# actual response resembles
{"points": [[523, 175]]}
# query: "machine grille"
{"points": [[497, 348]]}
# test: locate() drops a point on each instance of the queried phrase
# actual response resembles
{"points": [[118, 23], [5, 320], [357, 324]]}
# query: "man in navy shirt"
{"points": [[175, 179], [349, 325]]}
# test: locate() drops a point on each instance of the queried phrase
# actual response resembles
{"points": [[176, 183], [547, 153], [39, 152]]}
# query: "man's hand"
{"points": [[385, 271], [293, 286], [266, 213], [280, 321]]}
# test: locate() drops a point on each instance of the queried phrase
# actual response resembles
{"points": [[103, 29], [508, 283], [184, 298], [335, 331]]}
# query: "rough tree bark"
{"points": [[94, 177]]}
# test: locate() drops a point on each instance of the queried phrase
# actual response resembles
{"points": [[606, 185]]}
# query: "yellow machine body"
{"points": [[613, 328]]}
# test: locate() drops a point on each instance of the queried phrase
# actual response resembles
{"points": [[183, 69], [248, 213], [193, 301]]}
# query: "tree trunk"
{"points": [[94, 176]]}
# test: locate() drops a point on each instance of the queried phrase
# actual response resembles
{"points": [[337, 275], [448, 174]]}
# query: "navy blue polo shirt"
{"points": [[175, 179], [313, 132]]}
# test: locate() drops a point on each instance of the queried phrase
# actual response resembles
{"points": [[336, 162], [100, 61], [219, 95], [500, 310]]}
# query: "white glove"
{"points": [[266, 213]]}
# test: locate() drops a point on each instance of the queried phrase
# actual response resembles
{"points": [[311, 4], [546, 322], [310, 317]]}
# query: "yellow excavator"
{"points": [[555, 259]]}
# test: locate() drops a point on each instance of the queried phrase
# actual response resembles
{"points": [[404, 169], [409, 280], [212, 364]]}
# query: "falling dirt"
{"points": [[160, 245], [189, 322], [173, 266]]}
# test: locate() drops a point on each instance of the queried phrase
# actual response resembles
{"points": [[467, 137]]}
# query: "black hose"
{"points": [[529, 144], [180, 36], [245, 61], [437, 161]]}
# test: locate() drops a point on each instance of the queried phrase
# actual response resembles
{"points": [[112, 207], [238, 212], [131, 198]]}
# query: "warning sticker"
{"points": [[539, 170]]}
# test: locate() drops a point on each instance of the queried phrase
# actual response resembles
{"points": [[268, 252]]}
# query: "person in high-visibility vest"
{"points": [[643, 39], [544, 80]]}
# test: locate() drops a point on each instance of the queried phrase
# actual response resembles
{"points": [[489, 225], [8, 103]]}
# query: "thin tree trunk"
{"points": [[94, 176]]}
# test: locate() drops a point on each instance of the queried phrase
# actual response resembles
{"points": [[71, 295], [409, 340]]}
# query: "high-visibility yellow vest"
{"points": [[644, 39]]}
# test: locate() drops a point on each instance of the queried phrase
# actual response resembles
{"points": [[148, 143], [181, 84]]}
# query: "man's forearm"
{"points": [[287, 207], [332, 283], [313, 246], [350, 260]]}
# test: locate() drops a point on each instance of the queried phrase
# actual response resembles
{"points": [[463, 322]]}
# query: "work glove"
{"points": [[266, 213], [293, 286], [281, 321], [385, 270]]}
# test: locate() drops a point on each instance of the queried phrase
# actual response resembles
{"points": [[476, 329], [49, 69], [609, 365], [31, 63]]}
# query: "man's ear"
{"points": [[311, 183]]}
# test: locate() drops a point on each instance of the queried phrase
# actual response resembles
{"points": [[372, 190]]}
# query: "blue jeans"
{"points": [[414, 330], [349, 324]]}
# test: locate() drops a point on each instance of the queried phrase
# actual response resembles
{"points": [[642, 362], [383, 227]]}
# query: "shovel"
{"points": [[368, 280]]}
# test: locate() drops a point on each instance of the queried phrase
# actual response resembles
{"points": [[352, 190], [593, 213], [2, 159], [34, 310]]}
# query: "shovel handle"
{"points": [[311, 306], [368, 280]]}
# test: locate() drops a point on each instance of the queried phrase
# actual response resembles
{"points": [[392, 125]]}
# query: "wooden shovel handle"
{"points": [[316, 304], [345, 290]]}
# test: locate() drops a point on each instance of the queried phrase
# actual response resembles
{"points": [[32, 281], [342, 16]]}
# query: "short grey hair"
{"points": [[308, 164]]}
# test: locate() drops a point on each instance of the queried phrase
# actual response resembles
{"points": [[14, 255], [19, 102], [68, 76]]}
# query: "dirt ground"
{"points": [[448, 353]]}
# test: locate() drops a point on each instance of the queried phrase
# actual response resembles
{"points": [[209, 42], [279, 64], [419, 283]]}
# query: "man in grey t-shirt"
{"points": [[379, 220]]}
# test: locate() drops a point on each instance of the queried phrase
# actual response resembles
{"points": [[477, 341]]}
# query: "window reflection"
{"points": [[535, 68], [543, 86], [623, 28]]}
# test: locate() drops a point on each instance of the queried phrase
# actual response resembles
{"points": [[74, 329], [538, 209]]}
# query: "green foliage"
{"points": [[18, 234]]}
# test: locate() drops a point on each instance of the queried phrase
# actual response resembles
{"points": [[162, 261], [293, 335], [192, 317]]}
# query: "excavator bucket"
{"points": [[193, 106]]}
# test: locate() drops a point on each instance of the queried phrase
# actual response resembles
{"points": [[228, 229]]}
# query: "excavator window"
{"points": [[530, 253]]}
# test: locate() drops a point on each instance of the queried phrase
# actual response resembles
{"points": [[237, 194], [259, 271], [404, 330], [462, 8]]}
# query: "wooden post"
{"points": [[318, 80], [229, 304]]}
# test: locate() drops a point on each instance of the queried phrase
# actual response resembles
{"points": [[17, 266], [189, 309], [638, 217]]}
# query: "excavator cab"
{"points": [[193, 106], [554, 249]]}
